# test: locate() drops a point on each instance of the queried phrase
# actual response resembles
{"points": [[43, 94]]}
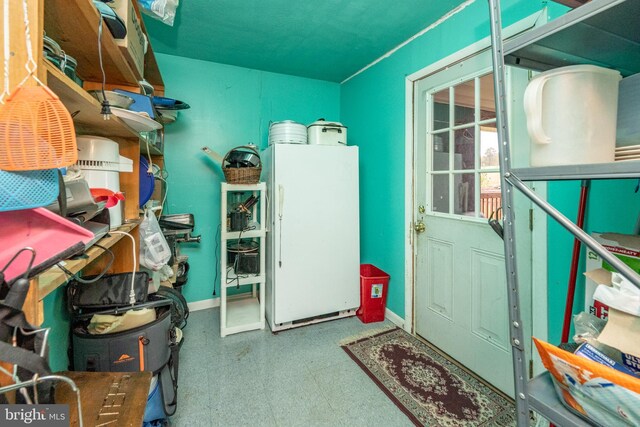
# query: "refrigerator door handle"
{"points": [[280, 211]]}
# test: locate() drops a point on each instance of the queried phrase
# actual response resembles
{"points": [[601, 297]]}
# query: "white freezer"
{"points": [[313, 241]]}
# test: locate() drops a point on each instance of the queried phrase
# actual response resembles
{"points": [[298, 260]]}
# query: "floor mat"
{"points": [[429, 388]]}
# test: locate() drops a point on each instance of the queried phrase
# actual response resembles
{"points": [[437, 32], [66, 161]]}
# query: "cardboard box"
{"points": [[133, 45], [622, 333], [624, 246]]}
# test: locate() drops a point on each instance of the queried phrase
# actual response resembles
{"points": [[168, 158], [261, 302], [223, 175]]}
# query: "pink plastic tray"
{"points": [[49, 234]]}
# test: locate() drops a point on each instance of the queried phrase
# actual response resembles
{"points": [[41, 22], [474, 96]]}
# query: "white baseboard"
{"points": [[204, 304], [394, 318], [215, 302]]}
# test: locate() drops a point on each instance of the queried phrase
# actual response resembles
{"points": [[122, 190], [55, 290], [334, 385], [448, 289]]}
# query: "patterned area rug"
{"points": [[429, 388]]}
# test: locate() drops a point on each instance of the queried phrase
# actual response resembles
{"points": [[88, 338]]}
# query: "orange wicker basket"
{"points": [[241, 175]]}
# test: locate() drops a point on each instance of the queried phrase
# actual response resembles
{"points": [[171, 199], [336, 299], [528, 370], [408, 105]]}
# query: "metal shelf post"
{"points": [[515, 321], [610, 24]]}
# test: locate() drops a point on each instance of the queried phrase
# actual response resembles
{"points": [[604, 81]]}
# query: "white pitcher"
{"points": [[571, 115]]}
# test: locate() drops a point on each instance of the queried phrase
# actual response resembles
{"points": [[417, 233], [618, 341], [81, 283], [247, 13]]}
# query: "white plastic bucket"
{"points": [[287, 132], [101, 163], [571, 115]]}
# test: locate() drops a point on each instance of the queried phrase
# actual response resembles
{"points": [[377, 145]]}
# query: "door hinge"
{"points": [[531, 369], [530, 219]]}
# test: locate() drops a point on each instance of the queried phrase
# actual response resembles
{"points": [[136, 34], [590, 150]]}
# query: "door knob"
{"points": [[420, 227]]}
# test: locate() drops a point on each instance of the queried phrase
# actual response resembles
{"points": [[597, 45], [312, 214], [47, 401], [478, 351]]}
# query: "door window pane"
{"points": [[487, 98], [464, 188], [440, 193], [441, 151], [441, 109], [490, 196], [465, 151], [464, 95], [489, 147]]}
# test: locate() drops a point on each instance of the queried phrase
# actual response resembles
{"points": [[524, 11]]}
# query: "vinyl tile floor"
{"points": [[297, 377]]}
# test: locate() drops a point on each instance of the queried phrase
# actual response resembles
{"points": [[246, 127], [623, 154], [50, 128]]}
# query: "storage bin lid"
{"points": [[323, 122]]}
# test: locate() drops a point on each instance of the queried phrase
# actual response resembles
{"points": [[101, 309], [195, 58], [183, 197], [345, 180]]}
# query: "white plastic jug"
{"points": [[571, 115]]}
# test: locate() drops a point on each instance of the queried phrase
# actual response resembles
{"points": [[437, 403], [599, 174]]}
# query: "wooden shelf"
{"points": [[88, 120], [74, 40], [54, 277], [96, 391], [74, 26]]}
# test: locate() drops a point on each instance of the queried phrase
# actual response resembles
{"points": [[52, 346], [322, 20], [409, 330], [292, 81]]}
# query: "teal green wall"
{"points": [[233, 106], [373, 107], [230, 106], [56, 317], [613, 206]]}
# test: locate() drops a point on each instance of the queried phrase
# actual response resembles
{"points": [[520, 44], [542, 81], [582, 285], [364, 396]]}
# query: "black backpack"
{"points": [[179, 307]]}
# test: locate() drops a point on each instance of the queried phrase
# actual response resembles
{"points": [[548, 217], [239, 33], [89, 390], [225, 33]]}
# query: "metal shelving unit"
{"points": [[601, 32], [590, 34], [617, 170], [544, 400]]}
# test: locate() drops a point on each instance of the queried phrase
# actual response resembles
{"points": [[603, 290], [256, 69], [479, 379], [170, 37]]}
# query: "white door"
{"points": [[461, 295]]}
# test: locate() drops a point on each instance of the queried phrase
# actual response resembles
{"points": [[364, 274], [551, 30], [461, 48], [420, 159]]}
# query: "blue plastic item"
{"points": [[154, 410], [28, 189], [163, 103], [147, 182], [141, 103]]}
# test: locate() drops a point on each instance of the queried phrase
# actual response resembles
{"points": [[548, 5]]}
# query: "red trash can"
{"points": [[373, 293]]}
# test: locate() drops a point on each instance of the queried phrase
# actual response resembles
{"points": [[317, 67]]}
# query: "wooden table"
{"points": [[114, 399]]}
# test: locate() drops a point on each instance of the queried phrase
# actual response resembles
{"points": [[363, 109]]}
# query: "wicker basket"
{"points": [[246, 175]]}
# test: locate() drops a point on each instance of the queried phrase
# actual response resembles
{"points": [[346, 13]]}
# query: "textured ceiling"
{"points": [[327, 40]]}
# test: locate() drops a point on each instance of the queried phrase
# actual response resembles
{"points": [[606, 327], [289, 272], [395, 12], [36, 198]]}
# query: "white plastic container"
{"points": [[571, 115], [628, 130], [322, 132], [287, 132], [101, 163]]}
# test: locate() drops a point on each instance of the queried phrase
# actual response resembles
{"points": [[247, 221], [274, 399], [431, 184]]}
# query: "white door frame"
{"points": [[539, 235]]}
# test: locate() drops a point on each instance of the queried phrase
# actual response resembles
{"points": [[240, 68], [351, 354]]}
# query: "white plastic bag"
{"points": [[162, 10], [621, 295], [154, 250]]}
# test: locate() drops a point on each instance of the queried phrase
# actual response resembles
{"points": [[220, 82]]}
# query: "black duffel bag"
{"points": [[152, 347], [110, 291]]}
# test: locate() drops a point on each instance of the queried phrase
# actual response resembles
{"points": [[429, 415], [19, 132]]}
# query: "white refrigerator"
{"points": [[313, 238]]}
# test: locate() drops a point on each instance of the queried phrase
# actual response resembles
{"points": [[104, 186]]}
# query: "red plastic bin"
{"points": [[373, 293]]}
